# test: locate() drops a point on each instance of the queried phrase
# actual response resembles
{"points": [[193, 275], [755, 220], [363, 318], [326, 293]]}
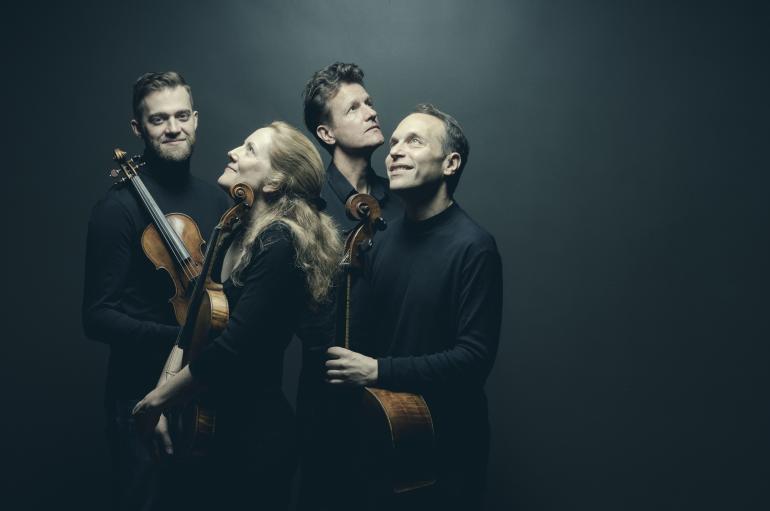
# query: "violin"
{"points": [[208, 314], [172, 242], [397, 426]]}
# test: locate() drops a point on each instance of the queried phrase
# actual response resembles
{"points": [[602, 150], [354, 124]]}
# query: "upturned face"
{"points": [[250, 162], [168, 123], [416, 158], [353, 122]]}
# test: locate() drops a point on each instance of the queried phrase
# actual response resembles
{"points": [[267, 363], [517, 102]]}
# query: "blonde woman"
{"points": [[281, 265]]}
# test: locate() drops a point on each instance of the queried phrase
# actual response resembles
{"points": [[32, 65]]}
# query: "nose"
{"points": [[172, 126], [232, 156], [395, 151], [371, 113]]}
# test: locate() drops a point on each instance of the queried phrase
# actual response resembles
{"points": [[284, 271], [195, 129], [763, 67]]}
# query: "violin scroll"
{"points": [[129, 167]]}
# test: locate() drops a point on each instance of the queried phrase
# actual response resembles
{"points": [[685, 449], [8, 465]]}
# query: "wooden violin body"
{"points": [[155, 248], [397, 426], [172, 242]]}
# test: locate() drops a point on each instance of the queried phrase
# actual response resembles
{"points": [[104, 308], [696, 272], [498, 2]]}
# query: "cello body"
{"points": [[397, 427]]}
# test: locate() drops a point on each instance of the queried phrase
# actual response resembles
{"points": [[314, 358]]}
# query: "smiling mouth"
{"points": [[174, 141], [396, 168], [375, 127]]}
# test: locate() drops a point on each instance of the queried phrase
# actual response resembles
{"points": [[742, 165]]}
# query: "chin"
{"points": [[223, 182]]}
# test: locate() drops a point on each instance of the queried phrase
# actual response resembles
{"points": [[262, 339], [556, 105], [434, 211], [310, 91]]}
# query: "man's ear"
{"points": [[325, 133], [136, 128], [269, 189], [195, 120], [452, 164]]}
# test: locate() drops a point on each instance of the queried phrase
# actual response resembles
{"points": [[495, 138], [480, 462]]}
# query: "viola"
{"points": [[208, 313]]}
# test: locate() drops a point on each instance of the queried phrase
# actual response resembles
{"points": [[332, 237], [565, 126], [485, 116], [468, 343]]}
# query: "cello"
{"points": [[397, 426]]}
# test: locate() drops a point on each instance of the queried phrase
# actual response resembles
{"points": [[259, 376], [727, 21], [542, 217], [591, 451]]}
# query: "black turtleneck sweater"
{"points": [[318, 332], [125, 301], [436, 291]]}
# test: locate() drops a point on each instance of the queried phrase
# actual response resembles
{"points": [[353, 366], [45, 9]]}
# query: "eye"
{"points": [[156, 120], [183, 116], [415, 141]]}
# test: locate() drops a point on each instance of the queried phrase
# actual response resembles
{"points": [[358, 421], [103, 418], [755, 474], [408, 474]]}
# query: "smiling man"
{"points": [[126, 300], [437, 286]]}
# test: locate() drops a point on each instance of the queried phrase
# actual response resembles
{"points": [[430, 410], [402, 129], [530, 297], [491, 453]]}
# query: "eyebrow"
{"points": [[408, 135], [166, 114]]}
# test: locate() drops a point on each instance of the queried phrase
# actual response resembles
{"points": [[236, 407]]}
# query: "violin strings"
{"points": [[169, 235]]}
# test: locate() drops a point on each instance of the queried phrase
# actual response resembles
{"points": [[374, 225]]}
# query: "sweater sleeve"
{"points": [[108, 259], [270, 290], [468, 362]]}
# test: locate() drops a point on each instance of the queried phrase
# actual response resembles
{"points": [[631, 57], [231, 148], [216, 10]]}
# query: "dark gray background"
{"points": [[618, 157]]}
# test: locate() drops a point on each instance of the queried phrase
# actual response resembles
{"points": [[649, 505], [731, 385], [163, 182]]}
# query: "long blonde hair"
{"points": [[297, 174]]}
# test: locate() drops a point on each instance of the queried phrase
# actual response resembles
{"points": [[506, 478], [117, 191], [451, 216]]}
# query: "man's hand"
{"points": [[346, 367]]}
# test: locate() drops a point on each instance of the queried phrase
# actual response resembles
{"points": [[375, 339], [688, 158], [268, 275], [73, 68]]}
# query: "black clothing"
{"points": [[246, 359], [125, 305], [325, 414], [136, 474], [125, 301], [437, 289], [318, 333], [255, 453], [336, 190]]}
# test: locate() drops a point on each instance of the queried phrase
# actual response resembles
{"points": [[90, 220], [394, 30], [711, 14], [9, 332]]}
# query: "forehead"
{"points": [[420, 124], [168, 100], [347, 94], [261, 138]]}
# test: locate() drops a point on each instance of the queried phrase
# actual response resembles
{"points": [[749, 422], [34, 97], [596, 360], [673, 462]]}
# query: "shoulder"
{"points": [[272, 255], [275, 242], [115, 205], [209, 189], [471, 233]]}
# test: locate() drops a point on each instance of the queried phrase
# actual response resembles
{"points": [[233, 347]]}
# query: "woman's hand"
{"points": [[176, 391], [163, 437], [147, 412]]}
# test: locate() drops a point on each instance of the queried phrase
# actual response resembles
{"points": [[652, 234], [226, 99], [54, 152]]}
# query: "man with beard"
{"points": [[437, 286], [126, 301], [340, 113]]}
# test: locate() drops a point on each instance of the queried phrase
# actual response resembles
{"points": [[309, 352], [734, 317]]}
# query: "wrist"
{"points": [[373, 371], [155, 399]]}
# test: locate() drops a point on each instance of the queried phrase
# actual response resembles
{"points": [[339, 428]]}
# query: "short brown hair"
{"points": [[454, 140], [322, 87], [152, 82]]}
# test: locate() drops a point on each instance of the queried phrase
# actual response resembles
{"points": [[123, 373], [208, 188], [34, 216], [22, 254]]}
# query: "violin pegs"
{"points": [[118, 154]]}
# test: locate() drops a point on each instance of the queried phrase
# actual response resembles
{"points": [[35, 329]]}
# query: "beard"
{"points": [[175, 153]]}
